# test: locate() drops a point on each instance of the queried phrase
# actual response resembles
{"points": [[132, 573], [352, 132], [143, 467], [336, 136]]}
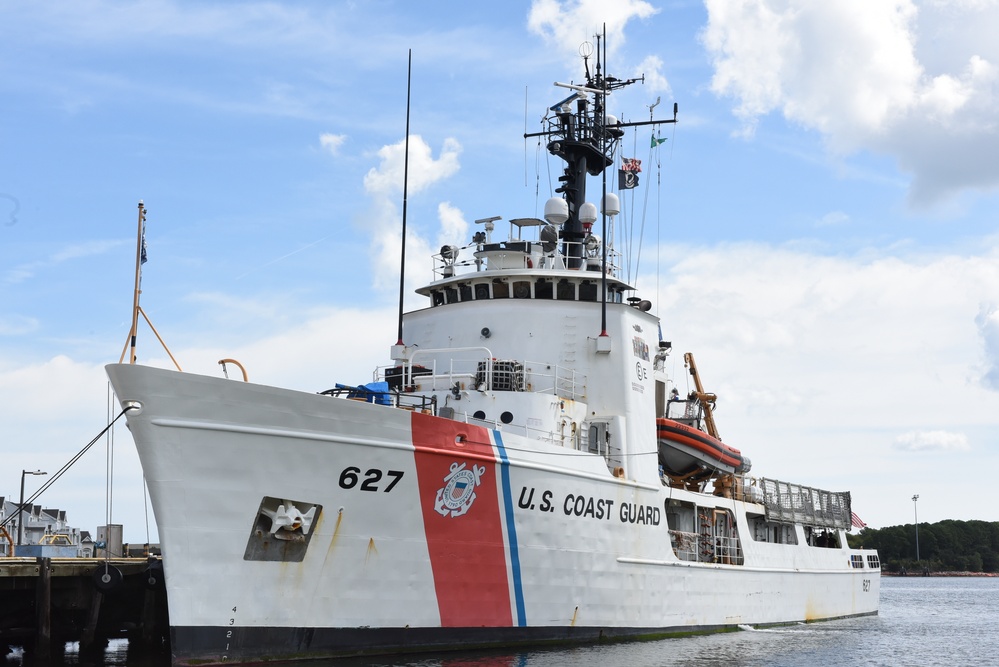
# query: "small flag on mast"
{"points": [[631, 164], [142, 248], [656, 141], [626, 180], [857, 521]]}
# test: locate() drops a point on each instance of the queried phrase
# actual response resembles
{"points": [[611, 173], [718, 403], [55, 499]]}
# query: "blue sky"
{"points": [[824, 239]]}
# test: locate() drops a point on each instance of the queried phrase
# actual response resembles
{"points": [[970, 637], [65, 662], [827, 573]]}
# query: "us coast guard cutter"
{"points": [[522, 472]]}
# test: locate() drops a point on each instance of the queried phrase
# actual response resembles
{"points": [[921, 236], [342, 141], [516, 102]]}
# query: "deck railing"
{"points": [[794, 503], [697, 548], [474, 368]]}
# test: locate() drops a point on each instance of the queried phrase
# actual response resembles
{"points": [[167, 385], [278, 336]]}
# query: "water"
{"points": [[923, 621]]}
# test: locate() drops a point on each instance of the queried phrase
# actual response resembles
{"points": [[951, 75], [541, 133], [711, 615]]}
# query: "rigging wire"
{"points": [[641, 233], [109, 475], [629, 227], [526, 175], [537, 176], [58, 474], [548, 167], [145, 505], [659, 241]]}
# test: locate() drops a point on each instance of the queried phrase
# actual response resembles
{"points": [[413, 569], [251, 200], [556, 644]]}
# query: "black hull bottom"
{"points": [[217, 645]]}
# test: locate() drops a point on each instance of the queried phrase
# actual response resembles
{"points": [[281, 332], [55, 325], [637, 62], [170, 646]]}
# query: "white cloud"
{"points": [[386, 179], [28, 270], [988, 327], [920, 441], [656, 81], [454, 227], [384, 186], [833, 218], [833, 66], [17, 325], [569, 24], [332, 142], [817, 359], [318, 349], [97, 21], [863, 74]]}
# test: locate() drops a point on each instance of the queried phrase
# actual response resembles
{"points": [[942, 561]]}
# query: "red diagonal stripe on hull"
{"points": [[467, 552]]}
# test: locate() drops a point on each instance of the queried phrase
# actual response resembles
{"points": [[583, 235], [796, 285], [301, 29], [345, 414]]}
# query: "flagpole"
{"points": [[139, 239]]}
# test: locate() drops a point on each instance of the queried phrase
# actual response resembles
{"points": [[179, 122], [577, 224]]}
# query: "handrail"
{"points": [[698, 548], [445, 265], [561, 381]]}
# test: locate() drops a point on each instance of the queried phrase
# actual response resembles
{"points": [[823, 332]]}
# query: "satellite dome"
{"points": [[556, 211], [612, 205]]}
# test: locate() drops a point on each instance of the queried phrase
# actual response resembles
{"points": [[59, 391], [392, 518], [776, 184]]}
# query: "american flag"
{"points": [[631, 164], [857, 521]]}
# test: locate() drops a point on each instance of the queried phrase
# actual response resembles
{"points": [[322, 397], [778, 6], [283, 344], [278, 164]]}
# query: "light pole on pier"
{"points": [[915, 515], [20, 505]]}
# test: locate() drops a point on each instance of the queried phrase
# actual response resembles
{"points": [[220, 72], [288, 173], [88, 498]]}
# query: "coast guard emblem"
{"points": [[458, 493]]}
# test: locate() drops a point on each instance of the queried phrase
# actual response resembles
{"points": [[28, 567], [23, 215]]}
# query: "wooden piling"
{"points": [[46, 602], [43, 610], [88, 636]]}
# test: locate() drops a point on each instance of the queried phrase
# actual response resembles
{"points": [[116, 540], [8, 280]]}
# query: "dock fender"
{"points": [[107, 577], [154, 574]]}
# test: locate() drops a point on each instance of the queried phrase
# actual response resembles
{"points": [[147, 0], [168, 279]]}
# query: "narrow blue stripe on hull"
{"points": [[511, 531]]}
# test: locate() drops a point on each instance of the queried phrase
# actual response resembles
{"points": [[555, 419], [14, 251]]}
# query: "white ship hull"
{"points": [[430, 532]]}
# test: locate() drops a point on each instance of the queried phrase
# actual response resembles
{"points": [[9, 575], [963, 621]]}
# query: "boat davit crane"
{"points": [[706, 400]]}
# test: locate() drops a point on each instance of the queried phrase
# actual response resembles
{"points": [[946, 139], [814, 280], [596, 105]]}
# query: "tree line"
{"points": [[945, 546]]}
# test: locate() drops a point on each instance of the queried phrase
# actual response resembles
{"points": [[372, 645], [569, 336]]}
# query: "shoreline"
{"points": [[939, 574]]}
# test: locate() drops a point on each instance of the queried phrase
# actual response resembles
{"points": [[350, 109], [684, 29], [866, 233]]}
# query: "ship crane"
{"points": [[706, 400]]}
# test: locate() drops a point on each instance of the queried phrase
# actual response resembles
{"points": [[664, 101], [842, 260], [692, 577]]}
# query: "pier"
{"points": [[47, 602]]}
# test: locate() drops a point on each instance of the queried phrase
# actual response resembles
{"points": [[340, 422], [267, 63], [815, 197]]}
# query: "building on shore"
{"points": [[46, 532], [40, 526]]}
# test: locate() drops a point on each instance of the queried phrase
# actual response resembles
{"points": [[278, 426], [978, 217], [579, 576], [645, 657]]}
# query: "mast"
{"points": [[602, 102], [140, 259], [405, 187], [585, 138]]}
